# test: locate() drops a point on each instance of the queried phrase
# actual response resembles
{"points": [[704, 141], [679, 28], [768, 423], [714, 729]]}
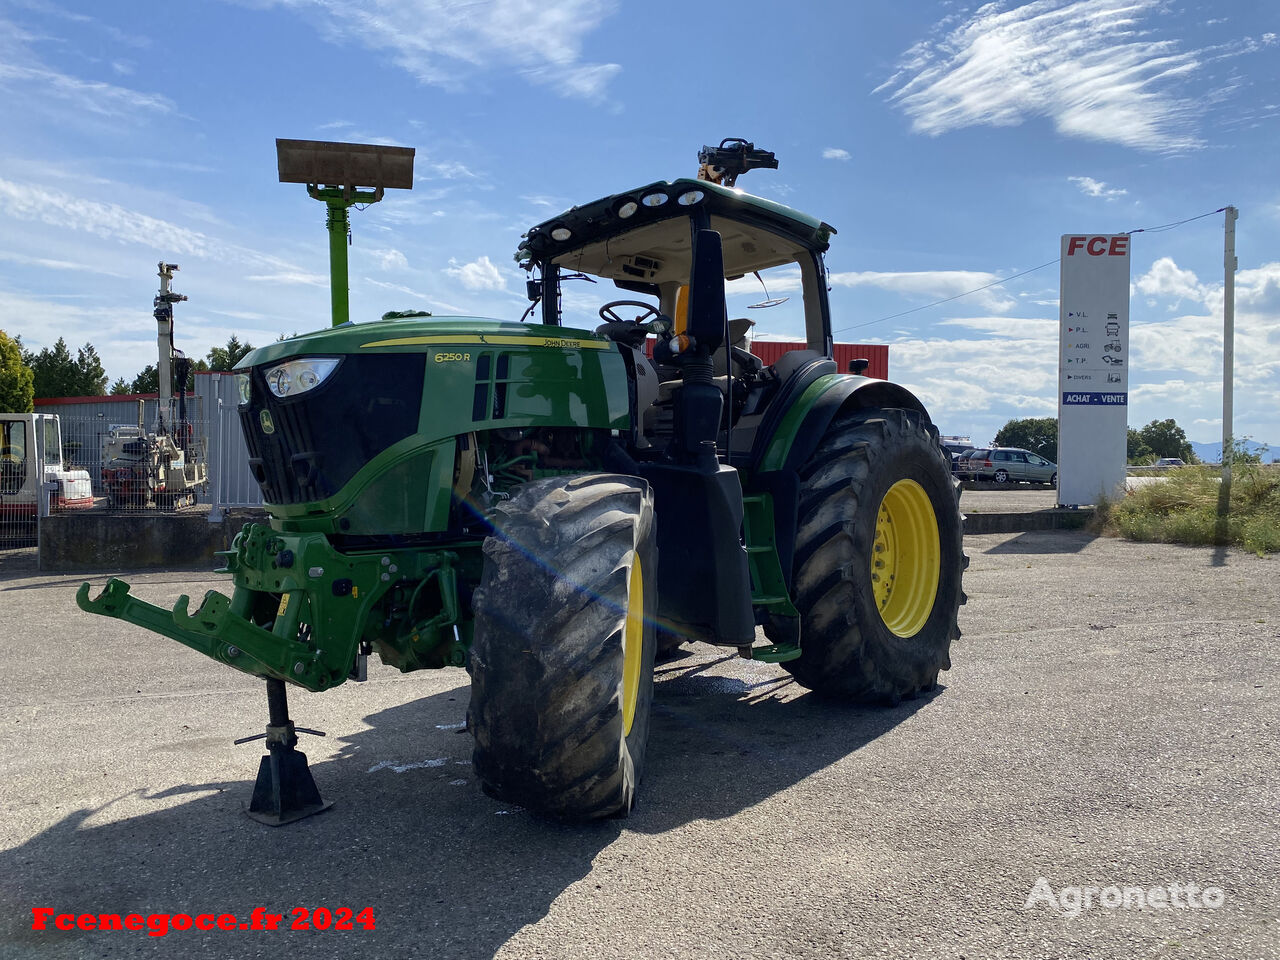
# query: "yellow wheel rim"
{"points": [[632, 646], [906, 558]]}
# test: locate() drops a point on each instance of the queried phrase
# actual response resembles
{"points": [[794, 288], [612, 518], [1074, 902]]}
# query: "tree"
{"points": [[120, 387], [1241, 454], [16, 378], [54, 369], [1037, 434], [92, 379], [58, 374], [1165, 438], [224, 359], [148, 381], [1136, 449]]}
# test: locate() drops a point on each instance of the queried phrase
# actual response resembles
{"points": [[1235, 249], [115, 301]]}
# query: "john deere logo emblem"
{"points": [[264, 418]]}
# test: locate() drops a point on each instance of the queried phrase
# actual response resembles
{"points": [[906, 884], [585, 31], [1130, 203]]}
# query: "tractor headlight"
{"points": [[242, 384], [298, 376]]}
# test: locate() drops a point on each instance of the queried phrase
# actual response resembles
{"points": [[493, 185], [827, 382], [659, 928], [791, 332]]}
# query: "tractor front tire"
{"points": [[878, 560], [562, 658]]}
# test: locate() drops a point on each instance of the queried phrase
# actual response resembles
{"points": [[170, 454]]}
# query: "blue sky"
{"points": [[950, 145]]}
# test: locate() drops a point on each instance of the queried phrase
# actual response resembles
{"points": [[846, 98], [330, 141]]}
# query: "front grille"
{"points": [[321, 438]]}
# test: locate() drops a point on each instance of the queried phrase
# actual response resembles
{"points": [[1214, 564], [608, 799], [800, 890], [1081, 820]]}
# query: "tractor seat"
{"points": [[793, 360]]}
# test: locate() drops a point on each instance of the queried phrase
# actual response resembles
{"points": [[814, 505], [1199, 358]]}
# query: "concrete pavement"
{"points": [[1110, 719]]}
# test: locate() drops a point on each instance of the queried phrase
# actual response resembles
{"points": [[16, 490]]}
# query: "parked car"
{"points": [[970, 464], [1012, 465], [957, 451]]}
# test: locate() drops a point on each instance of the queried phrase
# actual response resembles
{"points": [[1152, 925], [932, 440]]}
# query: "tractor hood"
{"points": [[413, 336]]}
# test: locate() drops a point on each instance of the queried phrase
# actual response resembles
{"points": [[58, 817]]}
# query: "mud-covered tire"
{"points": [[562, 658], [848, 649]]}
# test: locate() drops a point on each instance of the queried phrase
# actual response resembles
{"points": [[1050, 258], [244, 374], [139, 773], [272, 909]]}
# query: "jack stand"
{"points": [[284, 791]]}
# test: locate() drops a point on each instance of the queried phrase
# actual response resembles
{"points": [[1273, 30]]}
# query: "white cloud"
{"points": [[442, 42], [933, 285], [95, 97], [545, 200], [1007, 375], [1091, 66], [1258, 290], [390, 259], [112, 221], [445, 170], [782, 280], [30, 83], [836, 153], [51, 264], [28, 201], [437, 305], [292, 277], [1167, 279], [478, 275], [1096, 188]]}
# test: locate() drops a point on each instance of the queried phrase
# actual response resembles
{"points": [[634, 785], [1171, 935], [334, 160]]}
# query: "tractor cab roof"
{"points": [[643, 235]]}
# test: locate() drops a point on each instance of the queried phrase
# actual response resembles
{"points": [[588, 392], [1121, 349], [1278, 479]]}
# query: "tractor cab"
{"points": [[625, 265]]}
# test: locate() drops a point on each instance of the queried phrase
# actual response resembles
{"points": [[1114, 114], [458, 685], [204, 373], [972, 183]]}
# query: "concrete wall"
{"points": [[89, 540]]}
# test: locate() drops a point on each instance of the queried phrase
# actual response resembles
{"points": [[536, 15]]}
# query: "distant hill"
{"points": [[1212, 452]]}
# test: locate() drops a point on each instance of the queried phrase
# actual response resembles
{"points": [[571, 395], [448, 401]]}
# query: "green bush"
{"points": [[1187, 507]]}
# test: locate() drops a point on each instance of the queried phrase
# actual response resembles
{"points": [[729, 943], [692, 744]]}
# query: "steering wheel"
{"points": [[608, 315]]}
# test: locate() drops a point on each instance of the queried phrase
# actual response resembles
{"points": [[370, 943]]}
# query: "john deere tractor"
{"points": [[552, 504]]}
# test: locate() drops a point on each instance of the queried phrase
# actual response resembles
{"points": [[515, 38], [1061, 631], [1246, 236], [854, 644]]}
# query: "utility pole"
{"points": [[1229, 264]]}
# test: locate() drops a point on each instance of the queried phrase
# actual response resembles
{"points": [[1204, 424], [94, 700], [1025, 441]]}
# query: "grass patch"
{"points": [[1188, 507]]}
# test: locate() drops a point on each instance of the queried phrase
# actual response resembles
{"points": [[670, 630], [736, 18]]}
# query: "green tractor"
{"points": [[551, 508]]}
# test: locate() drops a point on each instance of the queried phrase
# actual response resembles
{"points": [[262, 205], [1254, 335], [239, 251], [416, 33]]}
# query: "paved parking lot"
{"points": [[1111, 720]]}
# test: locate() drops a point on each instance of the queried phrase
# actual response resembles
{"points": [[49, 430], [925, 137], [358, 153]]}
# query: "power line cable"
{"points": [[995, 283], [985, 286], [1177, 223]]}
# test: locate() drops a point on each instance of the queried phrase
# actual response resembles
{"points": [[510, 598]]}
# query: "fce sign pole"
{"points": [[1093, 367], [1229, 264]]}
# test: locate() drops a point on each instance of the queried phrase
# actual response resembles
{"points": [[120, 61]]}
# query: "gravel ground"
{"points": [[1111, 719]]}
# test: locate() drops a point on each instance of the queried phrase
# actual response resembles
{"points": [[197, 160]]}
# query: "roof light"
{"points": [[689, 198], [627, 209], [561, 234], [656, 199]]}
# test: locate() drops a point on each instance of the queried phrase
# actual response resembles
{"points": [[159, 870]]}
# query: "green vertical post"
{"points": [[339, 225], [337, 200]]}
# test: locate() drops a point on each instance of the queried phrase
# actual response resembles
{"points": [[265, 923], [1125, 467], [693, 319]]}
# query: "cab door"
{"points": [[17, 461]]}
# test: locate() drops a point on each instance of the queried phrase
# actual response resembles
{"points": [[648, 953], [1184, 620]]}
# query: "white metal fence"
{"points": [[230, 482]]}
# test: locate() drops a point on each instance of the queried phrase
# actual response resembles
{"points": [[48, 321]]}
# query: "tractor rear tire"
{"points": [[562, 658], [878, 560]]}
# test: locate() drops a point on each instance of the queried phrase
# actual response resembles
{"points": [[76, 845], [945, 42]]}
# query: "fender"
{"points": [[796, 435], [800, 430]]}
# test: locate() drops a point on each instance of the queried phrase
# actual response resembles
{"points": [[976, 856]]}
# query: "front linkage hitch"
{"points": [[301, 613]]}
